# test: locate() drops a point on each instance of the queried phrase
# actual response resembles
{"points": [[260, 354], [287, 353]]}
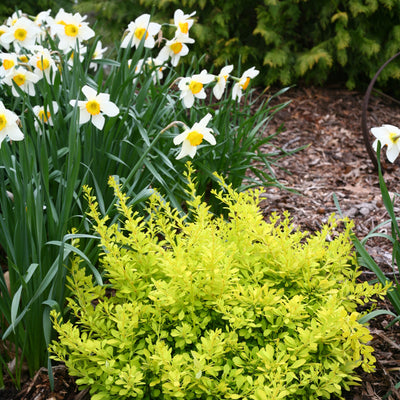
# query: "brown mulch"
{"points": [[328, 120]]}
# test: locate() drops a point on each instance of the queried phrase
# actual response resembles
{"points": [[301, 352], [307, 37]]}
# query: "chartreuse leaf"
{"points": [[204, 306]]}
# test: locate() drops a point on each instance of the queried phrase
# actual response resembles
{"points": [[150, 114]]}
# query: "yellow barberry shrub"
{"points": [[209, 307]]}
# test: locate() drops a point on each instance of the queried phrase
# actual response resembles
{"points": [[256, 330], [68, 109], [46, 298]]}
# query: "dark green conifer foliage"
{"points": [[32, 7], [290, 40]]}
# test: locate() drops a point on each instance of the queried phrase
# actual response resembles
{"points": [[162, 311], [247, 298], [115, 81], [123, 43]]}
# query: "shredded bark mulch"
{"points": [[328, 120]]}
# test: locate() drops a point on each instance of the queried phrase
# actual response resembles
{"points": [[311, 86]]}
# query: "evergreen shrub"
{"points": [[32, 7], [209, 308], [293, 40]]}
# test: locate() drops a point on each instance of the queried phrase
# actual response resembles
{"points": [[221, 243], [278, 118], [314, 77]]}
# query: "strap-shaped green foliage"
{"points": [[294, 40], [213, 308]]}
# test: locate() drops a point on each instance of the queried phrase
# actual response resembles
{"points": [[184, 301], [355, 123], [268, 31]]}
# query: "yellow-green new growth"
{"points": [[203, 307]]}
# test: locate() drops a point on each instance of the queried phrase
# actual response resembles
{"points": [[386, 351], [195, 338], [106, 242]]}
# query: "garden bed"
{"points": [[336, 161]]}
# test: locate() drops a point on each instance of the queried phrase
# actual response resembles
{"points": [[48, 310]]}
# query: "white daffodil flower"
{"points": [[97, 54], [43, 63], [44, 21], [8, 62], [22, 34], [81, 51], [23, 78], [59, 19], [389, 136], [193, 137], [94, 107], [14, 17], [152, 64], [141, 27], [182, 21], [194, 87], [175, 49], [156, 66], [8, 125], [44, 115], [71, 27], [222, 78], [243, 82], [3, 30]]}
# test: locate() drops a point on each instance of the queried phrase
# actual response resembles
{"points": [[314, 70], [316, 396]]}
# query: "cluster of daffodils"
{"points": [[28, 56], [173, 50], [389, 136], [192, 87]]}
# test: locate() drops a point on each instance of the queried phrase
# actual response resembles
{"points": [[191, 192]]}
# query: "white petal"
{"points": [[143, 20], [204, 77], [10, 116], [55, 106], [188, 100], [236, 92], [89, 92], [378, 131], [14, 133], [184, 51], [181, 137], [103, 97], [205, 120], [392, 152], [2, 137], [109, 109], [382, 134], [86, 33], [201, 94], [226, 70], [175, 59], [392, 128], [30, 89], [98, 121], [209, 138], [218, 91], [177, 16], [183, 83], [186, 150], [126, 40], [84, 116], [149, 42], [191, 150], [163, 55], [7, 37], [153, 28], [251, 73]]}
